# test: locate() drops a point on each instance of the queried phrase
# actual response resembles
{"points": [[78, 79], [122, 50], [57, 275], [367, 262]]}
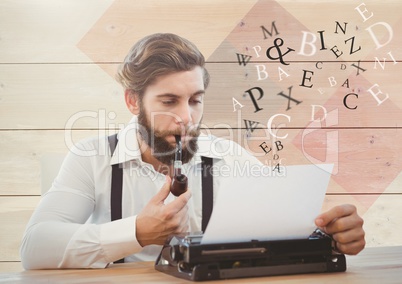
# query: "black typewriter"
{"points": [[185, 257]]}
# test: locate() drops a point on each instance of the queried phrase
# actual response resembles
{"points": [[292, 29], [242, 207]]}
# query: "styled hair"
{"points": [[158, 55]]}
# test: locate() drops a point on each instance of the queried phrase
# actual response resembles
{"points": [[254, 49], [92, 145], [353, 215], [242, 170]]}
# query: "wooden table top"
{"points": [[373, 265]]}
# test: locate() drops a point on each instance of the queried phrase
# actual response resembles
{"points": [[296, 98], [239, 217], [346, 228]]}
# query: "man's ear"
{"points": [[132, 102]]}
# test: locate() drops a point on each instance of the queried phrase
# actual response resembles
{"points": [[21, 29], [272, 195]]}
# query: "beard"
{"points": [[161, 149]]}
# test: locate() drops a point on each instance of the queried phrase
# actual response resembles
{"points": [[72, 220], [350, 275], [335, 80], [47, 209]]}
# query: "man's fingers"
{"points": [[161, 195], [351, 241], [183, 225], [345, 226], [179, 203], [337, 212], [351, 248], [177, 222], [349, 236]]}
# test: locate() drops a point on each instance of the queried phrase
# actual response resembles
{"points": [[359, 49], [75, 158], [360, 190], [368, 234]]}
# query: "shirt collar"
{"points": [[128, 149]]}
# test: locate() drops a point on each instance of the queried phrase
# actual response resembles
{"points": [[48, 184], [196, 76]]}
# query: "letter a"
{"points": [[235, 103]]}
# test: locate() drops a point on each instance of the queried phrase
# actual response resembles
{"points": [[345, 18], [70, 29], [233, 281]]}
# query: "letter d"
{"points": [[390, 32]]}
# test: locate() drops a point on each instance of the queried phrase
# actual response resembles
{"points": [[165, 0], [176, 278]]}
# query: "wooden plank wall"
{"points": [[57, 60]]}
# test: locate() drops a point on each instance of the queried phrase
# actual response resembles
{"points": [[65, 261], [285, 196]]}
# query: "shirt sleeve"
{"points": [[57, 235]]}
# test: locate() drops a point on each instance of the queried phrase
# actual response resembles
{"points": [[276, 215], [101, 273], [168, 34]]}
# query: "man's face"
{"points": [[173, 105]]}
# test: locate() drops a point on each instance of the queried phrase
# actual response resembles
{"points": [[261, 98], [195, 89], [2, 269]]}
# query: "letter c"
{"points": [[345, 98]]}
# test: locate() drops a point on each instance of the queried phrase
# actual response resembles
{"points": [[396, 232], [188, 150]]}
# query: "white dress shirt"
{"points": [[71, 226]]}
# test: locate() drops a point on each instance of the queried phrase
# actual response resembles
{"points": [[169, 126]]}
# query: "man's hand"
{"points": [[345, 226], [158, 220]]}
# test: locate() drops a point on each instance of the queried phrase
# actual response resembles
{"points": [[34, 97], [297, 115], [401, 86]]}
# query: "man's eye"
{"points": [[196, 101], [168, 102]]}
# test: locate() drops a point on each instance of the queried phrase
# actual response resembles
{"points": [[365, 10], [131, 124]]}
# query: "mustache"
{"points": [[192, 132]]}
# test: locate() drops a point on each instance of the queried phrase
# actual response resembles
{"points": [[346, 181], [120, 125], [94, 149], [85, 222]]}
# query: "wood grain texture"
{"points": [[14, 215], [48, 35], [45, 31], [372, 266], [22, 152], [57, 65], [83, 96], [9, 267], [31, 34], [382, 218], [58, 96]]}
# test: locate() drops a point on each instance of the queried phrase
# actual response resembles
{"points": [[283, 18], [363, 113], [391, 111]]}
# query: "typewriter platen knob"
{"points": [[175, 254], [171, 254]]}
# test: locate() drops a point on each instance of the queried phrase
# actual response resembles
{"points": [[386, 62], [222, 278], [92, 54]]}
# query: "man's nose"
{"points": [[184, 114]]}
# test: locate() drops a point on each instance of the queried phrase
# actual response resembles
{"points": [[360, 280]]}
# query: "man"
{"points": [[165, 81]]}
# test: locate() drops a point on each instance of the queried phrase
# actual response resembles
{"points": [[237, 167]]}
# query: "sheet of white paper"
{"points": [[262, 207]]}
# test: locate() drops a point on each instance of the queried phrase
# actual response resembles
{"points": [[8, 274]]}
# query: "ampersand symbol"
{"points": [[277, 44]]}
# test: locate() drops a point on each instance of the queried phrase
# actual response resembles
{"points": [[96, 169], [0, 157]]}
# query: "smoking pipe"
{"points": [[179, 181]]}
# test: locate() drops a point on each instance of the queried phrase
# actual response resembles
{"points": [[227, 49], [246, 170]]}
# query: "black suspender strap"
{"points": [[116, 186], [117, 183], [207, 191]]}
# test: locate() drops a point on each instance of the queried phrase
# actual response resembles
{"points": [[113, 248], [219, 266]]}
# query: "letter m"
{"points": [[243, 59], [265, 31]]}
